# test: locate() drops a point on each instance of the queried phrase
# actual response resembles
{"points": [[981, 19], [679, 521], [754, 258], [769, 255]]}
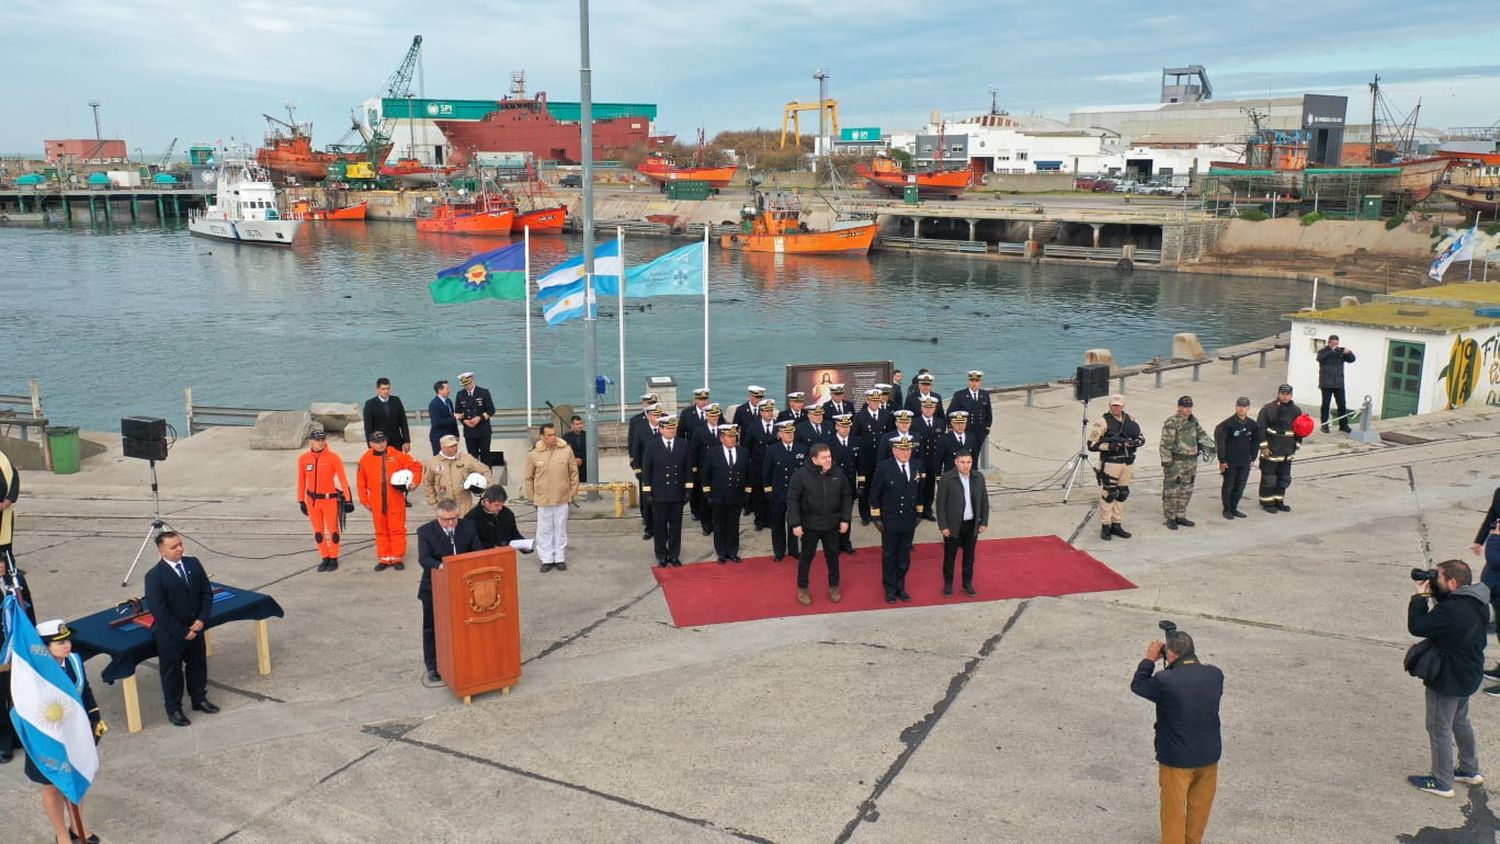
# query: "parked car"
{"points": [[572, 180]]}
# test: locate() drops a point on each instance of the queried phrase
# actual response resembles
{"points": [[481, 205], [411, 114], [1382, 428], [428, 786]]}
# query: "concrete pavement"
{"points": [[988, 721]]}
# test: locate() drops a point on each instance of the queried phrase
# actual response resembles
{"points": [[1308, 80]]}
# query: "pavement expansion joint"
{"points": [[914, 735], [584, 631], [880, 647]]}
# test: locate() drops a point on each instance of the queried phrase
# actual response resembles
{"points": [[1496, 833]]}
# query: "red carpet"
{"points": [[1016, 567]]}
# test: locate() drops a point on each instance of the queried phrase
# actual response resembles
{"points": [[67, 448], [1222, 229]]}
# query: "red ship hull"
{"points": [[540, 220], [526, 126]]}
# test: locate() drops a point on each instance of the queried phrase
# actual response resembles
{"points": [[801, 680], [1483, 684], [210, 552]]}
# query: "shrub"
{"points": [[1492, 229], [1254, 215], [1309, 219], [1392, 223]]}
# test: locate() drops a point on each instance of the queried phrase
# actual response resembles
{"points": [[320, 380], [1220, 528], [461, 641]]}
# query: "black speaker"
{"points": [[143, 428], [144, 437], [1091, 382]]}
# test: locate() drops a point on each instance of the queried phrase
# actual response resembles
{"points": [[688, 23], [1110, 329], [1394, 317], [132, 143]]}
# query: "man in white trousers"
{"points": [[551, 480]]}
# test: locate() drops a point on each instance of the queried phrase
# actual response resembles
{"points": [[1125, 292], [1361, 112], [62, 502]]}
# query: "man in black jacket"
{"points": [[439, 538], [1331, 360], [1236, 440], [384, 412], [819, 505], [963, 512], [1456, 622], [492, 523], [1188, 743], [180, 598]]}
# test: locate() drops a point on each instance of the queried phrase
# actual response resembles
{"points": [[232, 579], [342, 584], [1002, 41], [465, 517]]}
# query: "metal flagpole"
{"points": [[705, 305], [620, 248], [590, 319], [527, 233]]}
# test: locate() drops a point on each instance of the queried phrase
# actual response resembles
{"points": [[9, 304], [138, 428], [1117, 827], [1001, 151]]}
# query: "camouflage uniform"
{"points": [[1182, 440]]}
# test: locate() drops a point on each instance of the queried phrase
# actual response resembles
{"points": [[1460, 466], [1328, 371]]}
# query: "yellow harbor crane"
{"points": [[793, 112]]}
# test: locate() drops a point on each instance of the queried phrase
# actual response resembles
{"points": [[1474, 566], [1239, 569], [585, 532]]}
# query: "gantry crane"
{"points": [[793, 112]]}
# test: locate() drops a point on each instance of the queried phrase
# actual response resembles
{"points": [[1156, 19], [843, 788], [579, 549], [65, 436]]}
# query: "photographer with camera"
{"points": [[1452, 614], [1188, 744]]}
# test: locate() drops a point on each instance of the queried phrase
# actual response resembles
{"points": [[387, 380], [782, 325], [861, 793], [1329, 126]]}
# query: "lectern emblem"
{"points": [[484, 594]]}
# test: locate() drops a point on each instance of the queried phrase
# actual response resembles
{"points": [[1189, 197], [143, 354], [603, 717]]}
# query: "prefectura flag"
{"points": [[499, 274]]}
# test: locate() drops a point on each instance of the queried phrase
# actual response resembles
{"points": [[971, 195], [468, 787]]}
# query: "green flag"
{"points": [[498, 274]]}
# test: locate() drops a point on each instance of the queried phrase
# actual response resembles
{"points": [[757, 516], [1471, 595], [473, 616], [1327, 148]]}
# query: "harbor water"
{"points": [[116, 322]]}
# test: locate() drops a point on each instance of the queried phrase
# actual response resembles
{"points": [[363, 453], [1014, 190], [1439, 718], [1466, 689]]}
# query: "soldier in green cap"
{"points": [[1183, 443]]}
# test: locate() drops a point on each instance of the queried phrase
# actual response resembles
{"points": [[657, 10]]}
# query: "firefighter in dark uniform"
{"points": [[794, 407], [814, 427], [976, 402], [845, 450], [1237, 439], [783, 459], [1278, 445], [927, 428], [760, 436], [894, 506], [703, 434], [869, 427], [1115, 437], [640, 437], [667, 480], [838, 405], [726, 482], [958, 438]]}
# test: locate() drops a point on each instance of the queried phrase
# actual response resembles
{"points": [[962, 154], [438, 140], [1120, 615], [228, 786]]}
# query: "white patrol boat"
{"points": [[243, 207]]}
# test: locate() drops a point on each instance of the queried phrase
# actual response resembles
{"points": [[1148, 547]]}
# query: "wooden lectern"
{"points": [[475, 609]]}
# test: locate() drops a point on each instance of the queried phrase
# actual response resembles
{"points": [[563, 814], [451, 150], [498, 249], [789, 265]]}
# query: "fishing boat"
{"points": [[662, 169], [288, 152], [483, 214], [774, 224], [303, 209], [889, 178], [415, 174], [538, 208], [1484, 201], [244, 206]]}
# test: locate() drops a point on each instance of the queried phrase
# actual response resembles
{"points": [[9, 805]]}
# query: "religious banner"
{"points": [[816, 379]]}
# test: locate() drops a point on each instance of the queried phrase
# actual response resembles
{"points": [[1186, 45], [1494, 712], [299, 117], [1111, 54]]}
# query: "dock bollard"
{"points": [[1364, 434]]}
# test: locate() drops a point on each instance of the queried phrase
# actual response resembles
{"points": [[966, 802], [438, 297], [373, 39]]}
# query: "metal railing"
{"points": [[24, 412], [934, 244]]}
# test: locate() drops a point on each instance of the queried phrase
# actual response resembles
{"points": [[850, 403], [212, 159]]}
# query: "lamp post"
{"points": [[822, 146]]}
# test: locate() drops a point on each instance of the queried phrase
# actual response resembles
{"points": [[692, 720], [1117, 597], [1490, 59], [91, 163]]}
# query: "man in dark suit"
{"points": [[760, 436], [783, 458], [666, 477], [814, 427], [180, 598], [976, 402], [440, 415], [794, 407], [869, 427], [963, 512], [702, 435], [928, 429], [838, 405], [726, 481], [923, 392], [748, 414], [385, 413], [439, 538], [957, 439], [648, 432], [903, 419], [845, 451], [577, 439], [473, 406], [894, 507], [695, 415], [648, 402]]}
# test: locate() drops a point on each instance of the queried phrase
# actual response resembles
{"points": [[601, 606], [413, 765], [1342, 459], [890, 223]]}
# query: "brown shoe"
{"points": [[803, 598], [834, 594]]}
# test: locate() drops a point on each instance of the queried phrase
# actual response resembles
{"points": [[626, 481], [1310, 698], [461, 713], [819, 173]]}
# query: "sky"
{"points": [[165, 69]]}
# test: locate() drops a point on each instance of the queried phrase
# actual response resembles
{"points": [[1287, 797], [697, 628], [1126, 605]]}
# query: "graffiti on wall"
{"points": [[1472, 374]]}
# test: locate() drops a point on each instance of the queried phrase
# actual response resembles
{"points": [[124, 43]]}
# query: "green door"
{"points": [[1403, 380]]}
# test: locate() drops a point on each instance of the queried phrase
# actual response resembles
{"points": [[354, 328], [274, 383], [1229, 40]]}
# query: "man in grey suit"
{"points": [[963, 512]]}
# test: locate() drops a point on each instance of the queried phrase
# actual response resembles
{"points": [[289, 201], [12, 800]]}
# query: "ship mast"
{"points": [[1374, 132]]}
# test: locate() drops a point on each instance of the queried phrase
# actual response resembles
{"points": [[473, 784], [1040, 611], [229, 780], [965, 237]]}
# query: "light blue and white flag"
{"points": [[567, 278], [48, 716], [569, 307], [677, 273], [1461, 248]]}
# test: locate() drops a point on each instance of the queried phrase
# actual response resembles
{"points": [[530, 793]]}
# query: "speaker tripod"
{"points": [[157, 525], [1081, 459]]}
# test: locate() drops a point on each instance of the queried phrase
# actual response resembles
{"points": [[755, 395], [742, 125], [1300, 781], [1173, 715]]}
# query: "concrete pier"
{"points": [[116, 205]]}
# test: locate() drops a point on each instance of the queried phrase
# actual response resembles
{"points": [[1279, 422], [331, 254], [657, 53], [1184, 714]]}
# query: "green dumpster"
{"points": [[66, 449], [911, 196]]}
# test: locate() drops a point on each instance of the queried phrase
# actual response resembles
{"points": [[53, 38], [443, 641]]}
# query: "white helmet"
{"points": [[401, 477], [475, 482]]}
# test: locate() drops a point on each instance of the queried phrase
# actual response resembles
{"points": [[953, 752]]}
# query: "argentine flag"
{"points": [[49, 716], [570, 306], [567, 277]]}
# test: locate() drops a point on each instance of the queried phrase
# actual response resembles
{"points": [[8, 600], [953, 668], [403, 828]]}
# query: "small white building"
{"points": [[1421, 351]]}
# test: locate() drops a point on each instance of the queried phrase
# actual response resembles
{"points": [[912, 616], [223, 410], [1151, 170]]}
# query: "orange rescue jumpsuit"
{"points": [[386, 503], [317, 472]]}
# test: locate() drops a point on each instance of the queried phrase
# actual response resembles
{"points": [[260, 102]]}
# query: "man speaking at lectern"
{"points": [[439, 538]]}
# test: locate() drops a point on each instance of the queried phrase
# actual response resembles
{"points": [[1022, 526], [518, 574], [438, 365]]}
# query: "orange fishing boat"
{"points": [[662, 169], [413, 173], [302, 209], [775, 225], [289, 153], [540, 220], [888, 177], [485, 215]]}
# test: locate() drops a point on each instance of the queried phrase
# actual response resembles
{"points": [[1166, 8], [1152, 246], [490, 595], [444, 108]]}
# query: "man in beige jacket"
{"points": [[446, 473], [551, 480]]}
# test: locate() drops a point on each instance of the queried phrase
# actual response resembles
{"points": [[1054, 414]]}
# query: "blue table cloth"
{"points": [[131, 644]]}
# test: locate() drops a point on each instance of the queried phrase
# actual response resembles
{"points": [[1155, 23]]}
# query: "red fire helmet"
{"points": [[1303, 425]]}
